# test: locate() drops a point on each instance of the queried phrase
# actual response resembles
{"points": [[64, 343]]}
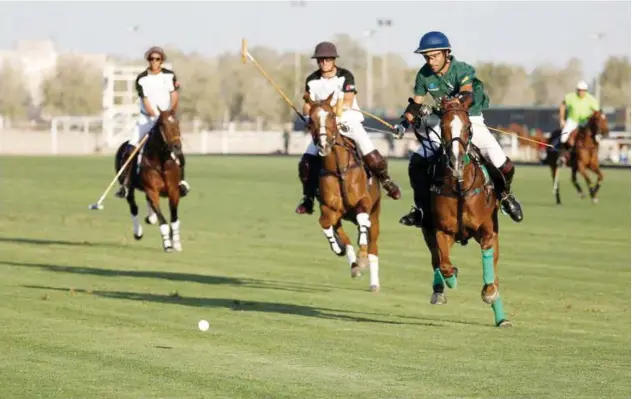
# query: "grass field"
{"points": [[87, 312]]}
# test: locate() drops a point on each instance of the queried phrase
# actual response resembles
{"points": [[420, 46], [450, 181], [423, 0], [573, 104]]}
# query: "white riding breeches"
{"points": [[481, 138], [356, 132], [569, 126], [144, 124]]}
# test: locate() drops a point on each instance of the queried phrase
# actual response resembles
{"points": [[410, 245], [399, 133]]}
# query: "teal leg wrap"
{"points": [[499, 313], [451, 281], [488, 266], [438, 278]]}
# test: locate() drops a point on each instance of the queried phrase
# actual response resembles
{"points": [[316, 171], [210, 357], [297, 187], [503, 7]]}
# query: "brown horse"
{"points": [[583, 156], [464, 205], [158, 175], [345, 192]]}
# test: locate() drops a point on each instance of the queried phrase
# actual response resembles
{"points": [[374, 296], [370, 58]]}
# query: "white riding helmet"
{"points": [[581, 85]]}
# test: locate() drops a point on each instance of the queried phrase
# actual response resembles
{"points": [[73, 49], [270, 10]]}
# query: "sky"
{"points": [[527, 33]]}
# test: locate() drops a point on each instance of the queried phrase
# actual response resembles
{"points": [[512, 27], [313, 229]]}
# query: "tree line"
{"points": [[216, 89]]}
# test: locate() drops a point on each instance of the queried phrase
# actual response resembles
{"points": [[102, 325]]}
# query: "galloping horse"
{"points": [[158, 175], [584, 155], [464, 205], [345, 192]]}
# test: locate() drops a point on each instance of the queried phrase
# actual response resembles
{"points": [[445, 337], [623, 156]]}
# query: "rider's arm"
{"points": [[175, 94], [465, 76], [562, 112], [348, 89], [418, 98]]}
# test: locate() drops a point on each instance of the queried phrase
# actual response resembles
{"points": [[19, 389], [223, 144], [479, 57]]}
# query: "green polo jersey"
{"points": [[458, 74], [580, 109]]}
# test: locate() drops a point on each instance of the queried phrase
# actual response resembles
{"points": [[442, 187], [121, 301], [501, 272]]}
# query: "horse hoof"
{"points": [[138, 237], [582, 195], [363, 257], [504, 324], [438, 298], [355, 270], [374, 288], [595, 200], [177, 246]]}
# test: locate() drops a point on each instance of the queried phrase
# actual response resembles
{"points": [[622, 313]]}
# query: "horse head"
{"points": [[598, 123], [323, 126], [456, 134], [169, 127]]}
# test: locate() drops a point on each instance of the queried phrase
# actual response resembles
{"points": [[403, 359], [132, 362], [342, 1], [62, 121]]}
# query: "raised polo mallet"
{"points": [[245, 56], [99, 205]]}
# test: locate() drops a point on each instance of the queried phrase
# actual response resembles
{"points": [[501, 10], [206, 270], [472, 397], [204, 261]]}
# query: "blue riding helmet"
{"points": [[433, 41]]}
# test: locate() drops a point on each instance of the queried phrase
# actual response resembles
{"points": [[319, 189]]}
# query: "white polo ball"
{"points": [[203, 325]]}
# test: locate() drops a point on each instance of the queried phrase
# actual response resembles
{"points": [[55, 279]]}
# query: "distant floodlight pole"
{"points": [[369, 68], [598, 37], [385, 23]]}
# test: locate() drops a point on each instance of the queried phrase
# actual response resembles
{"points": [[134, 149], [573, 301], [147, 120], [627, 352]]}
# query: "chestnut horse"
{"points": [[464, 205], [158, 175], [345, 192], [584, 155]]}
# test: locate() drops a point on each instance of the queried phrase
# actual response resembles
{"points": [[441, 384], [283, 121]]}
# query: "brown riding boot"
{"points": [[308, 173], [379, 167]]}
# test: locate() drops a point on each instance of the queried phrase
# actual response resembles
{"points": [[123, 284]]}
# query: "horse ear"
{"points": [[331, 96]]}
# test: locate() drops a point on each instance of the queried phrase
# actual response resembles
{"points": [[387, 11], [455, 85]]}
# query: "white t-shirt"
{"points": [[157, 87], [319, 88]]}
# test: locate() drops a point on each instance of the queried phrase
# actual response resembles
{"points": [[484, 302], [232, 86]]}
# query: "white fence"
{"points": [[80, 139]]}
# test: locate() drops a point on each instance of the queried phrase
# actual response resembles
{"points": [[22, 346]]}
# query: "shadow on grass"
{"points": [[237, 305], [171, 276], [45, 242]]}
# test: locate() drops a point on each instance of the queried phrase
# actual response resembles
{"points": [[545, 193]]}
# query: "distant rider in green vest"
{"points": [[442, 76], [575, 111]]}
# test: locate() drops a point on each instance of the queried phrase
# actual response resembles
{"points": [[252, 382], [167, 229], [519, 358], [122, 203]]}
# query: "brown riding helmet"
{"points": [[325, 50], [155, 49]]}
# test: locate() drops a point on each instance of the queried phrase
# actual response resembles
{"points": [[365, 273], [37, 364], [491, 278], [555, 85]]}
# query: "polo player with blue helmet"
{"points": [[444, 76]]}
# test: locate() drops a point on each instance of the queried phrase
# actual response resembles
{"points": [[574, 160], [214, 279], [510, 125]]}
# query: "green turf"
{"points": [[287, 321]]}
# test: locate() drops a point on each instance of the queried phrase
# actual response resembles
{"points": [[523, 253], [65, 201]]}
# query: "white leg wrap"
{"points": [[363, 225], [138, 228], [351, 255], [374, 270], [165, 230], [175, 230], [329, 233], [151, 215]]}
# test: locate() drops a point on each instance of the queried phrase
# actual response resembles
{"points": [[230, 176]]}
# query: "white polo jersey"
{"points": [[157, 88], [319, 88]]}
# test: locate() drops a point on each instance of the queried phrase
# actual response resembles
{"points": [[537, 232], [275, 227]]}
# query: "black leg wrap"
{"points": [[181, 160]]}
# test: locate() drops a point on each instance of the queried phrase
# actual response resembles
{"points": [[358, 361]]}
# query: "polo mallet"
{"points": [[99, 205], [245, 56]]}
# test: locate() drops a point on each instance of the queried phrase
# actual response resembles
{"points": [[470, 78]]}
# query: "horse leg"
{"points": [[374, 265], [151, 215], [446, 271], [575, 183], [364, 224], [581, 168], [174, 199], [594, 166], [555, 170], [438, 285], [328, 219], [345, 243], [133, 209], [153, 196]]}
